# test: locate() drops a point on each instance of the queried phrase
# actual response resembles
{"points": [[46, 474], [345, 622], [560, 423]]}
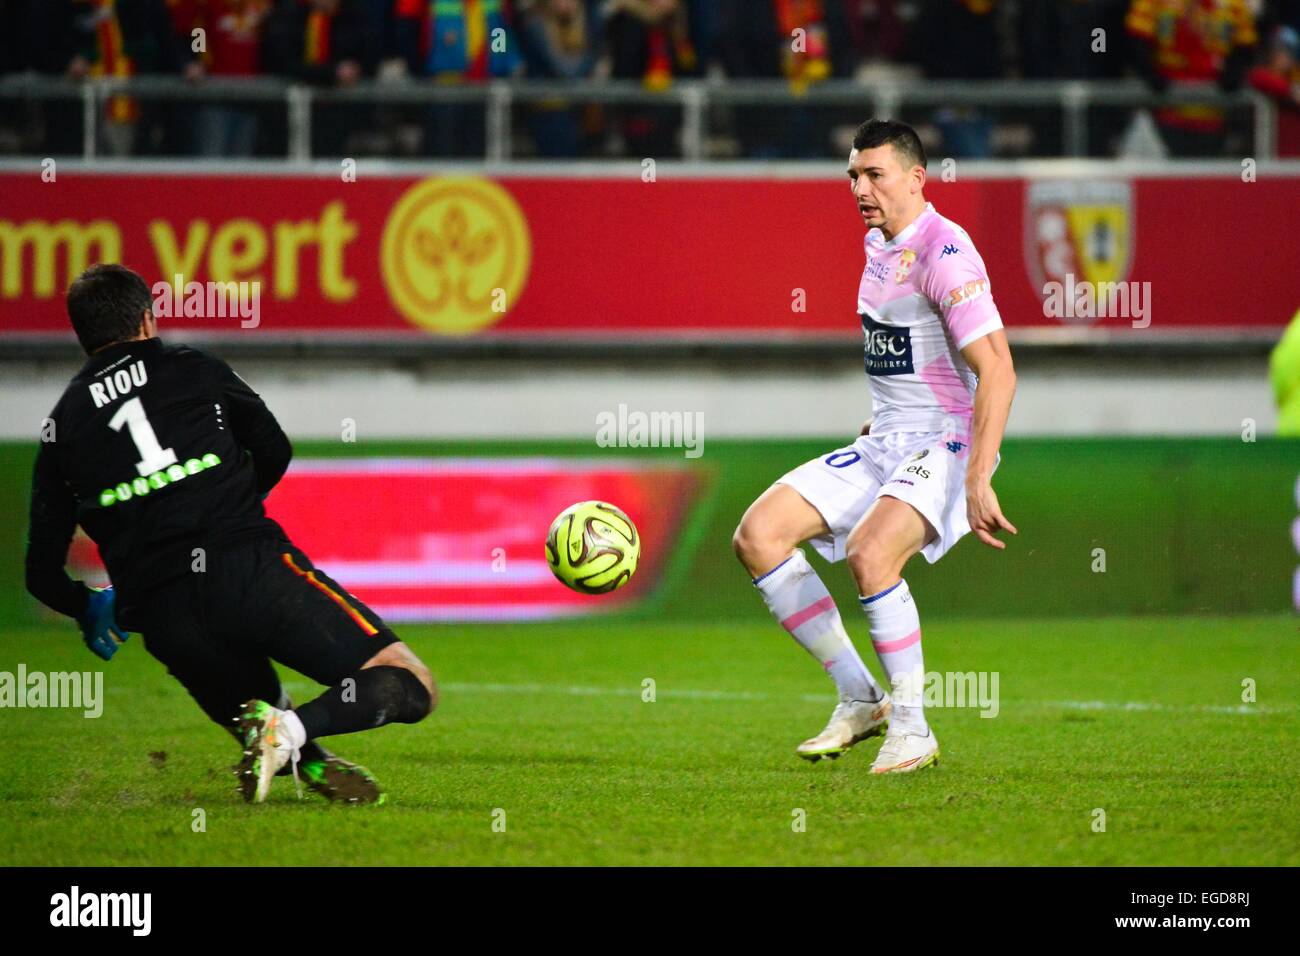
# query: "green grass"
{"points": [[546, 721]]}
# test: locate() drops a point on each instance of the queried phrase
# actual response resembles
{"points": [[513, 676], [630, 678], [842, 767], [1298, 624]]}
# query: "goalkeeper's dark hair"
{"points": [[907, 145], [106, 304]]}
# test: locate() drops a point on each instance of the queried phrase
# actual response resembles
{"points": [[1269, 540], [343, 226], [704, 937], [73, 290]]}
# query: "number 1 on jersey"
{"points": [[153, 457]]}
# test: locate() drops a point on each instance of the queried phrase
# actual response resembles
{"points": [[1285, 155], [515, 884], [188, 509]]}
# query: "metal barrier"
{"points": [[701, 103]]}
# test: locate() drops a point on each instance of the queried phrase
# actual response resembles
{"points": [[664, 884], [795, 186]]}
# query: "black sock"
{"points": [[313, 751], [380, 695], [309, 751]]}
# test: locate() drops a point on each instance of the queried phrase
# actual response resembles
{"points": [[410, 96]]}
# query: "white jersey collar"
{"points": [[877, 238]]}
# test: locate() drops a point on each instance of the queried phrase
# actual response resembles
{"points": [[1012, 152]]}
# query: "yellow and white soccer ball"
{"points": [[593, 547]]}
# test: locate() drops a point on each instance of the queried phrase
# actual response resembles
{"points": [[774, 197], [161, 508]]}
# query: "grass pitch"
{"points": [[1141, 718]]}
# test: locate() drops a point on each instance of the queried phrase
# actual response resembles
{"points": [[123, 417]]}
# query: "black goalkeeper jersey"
{"points": [[154, 450]]}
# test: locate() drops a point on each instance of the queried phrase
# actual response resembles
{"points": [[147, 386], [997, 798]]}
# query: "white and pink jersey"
{"points": [[924, 296]]}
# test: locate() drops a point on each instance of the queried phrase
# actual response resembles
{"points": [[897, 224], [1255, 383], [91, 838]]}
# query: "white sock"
{"points": [[293, 729], [896, 636], [797, 598]]}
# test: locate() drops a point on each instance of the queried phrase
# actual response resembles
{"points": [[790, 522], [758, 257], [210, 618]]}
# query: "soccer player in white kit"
{"points": [[917, 478]]}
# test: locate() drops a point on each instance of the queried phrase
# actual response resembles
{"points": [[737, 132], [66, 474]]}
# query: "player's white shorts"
{"points": [[922, 468]]}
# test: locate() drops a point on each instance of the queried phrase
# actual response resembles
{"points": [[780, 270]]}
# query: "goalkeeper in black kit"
{"points": [[163, 455]]}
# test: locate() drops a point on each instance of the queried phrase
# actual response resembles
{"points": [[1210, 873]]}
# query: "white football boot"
{"points": [[266, 750], [906, 750], [851, 721]]}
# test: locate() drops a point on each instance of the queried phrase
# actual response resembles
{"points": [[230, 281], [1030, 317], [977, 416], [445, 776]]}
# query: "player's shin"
{"points": [[799, 600], [371, 697], [896, 636]]}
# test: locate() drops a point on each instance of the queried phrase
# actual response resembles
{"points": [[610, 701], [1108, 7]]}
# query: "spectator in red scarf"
{"points": [[325, 43], [1191, 41], [455, 43], [804, 44], [232, 31], [648, 40], [800, 41], [121, 39]]}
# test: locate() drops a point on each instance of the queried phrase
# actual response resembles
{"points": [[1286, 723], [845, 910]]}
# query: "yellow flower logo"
{"points": [[455, 254]]}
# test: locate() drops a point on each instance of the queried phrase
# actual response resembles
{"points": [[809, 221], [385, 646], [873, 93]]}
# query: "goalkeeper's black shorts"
{"points": [[216, 630]]}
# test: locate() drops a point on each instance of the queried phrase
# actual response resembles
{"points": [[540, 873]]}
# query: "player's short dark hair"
{"points": [[907, 145], [106, 304]]}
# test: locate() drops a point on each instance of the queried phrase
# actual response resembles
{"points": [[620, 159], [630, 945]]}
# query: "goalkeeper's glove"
{"points": [[99, 628]]}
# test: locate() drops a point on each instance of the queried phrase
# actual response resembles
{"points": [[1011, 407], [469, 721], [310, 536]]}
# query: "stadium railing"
{"points": [[1072, 108]]}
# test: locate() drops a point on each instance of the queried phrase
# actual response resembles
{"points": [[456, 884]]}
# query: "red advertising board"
{"points": [[521, 256], [460, 539]]}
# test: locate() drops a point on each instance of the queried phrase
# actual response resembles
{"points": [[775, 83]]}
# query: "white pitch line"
{"points": [[569, 690], [695, 694], [1137, 705], [573, 691]]}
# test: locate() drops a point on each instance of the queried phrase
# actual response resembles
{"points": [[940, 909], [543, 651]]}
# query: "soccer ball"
{"points": [[592, 547]]}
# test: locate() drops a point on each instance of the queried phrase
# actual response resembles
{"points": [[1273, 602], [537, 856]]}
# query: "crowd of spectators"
{"points": [[336, 43]]}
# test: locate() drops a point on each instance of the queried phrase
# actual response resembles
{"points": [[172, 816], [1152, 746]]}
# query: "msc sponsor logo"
{"points": [[888, 348]]}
